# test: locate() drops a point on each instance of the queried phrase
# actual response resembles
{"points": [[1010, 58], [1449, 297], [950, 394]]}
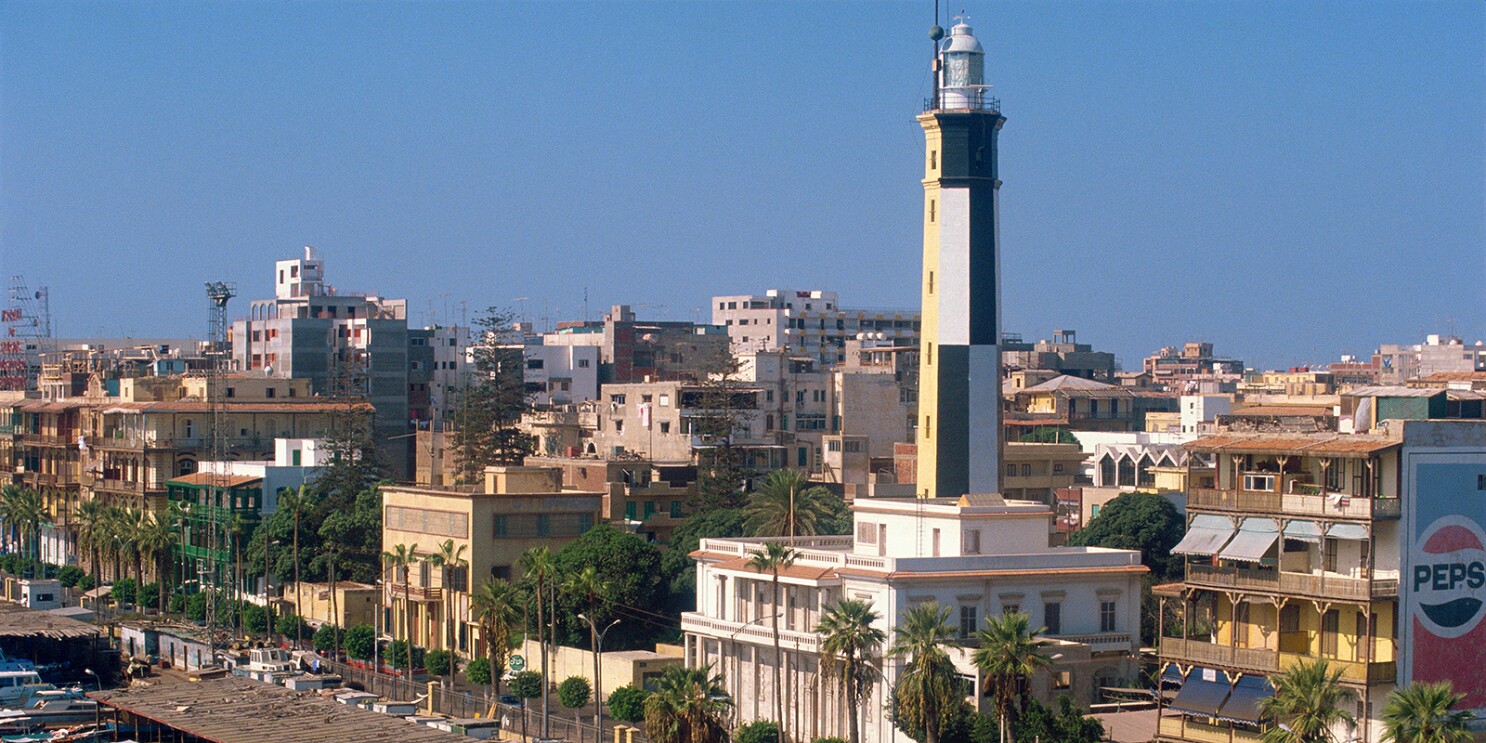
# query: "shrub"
{"points": [[829, 740], [360, 641], [196, 607], [255, 619], [324, 639], [123, 591], [527, 684], [399, 652], [148, 594], [70, 575], [758, 731], [627, 704], [177, 603], [478, 671], [440, 662], [287, 624], [574, 692], [85, 583]]}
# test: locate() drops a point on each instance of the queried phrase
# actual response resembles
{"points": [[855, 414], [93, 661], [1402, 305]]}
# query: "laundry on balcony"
{"points": [[1243, 701], [1304, 531], [1254, 538], [1207, 534], [1203, 694], [1354, 532]]}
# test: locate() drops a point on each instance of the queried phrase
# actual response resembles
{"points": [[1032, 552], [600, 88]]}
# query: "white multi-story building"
{"points": [[808, 322], [979, 556], [561, 374]]}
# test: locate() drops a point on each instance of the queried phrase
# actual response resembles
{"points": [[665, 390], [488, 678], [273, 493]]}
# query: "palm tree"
{"points": [[775, 556], [928, 686], [448, 559], [134, 525], [25, 510], [297, 502], [402, 558], [495, 606], [689, 705], [849, 642], [156, 539], [540, 571], [787, 505], [1308, 699], [91, 524], [1007, 657], [1425, 713], [590, 588]]}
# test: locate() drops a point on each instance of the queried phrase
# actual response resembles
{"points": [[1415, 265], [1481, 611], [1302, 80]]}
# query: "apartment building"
{"points": [[633, 350], [343, 343], [1079, 404], [809, 323], [514, 510], [641, 496], [663, 422], [1061, 355], [560, 375], [1399, 363], [979, 555], [1186, 368], [1327, 546], [437, 364]]}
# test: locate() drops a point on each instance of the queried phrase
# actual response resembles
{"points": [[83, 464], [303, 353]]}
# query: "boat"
{"points": [[18, 686], [49, 708]]}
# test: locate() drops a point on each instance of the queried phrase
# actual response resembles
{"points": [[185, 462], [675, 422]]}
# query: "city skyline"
{"points": [[1259, 173]]}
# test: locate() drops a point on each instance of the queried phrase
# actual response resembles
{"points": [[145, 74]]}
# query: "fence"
{"points": [[463, 705]]}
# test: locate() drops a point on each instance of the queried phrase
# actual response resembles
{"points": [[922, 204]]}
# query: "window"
{"points": [[582, 363], [1026, 470], [675, 509], [931, 282], [936, 543], [544, 525], [933, 210], [1290, 619], [1107, 616], [867, 533], [1330, 623], [534, 363], [1328, 555], [1241, 624], [501, 525], [1057, 468], [665, 400], [1062, 680], [928, 427], [1052, 617], [1094, 510], [833, 445], [665, 426], [933, 159], [1011, 470], [930, 349], [968, 621], [970, 543], [232, 392], [270, 392], [618, 426]]}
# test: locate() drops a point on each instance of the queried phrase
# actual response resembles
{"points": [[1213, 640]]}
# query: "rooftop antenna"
{"points": [[218, 293], [936, 32]]}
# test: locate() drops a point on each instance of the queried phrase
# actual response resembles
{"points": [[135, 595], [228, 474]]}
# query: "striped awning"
{"points": [[1254, 538], [1305, 531], [1207, 534]]}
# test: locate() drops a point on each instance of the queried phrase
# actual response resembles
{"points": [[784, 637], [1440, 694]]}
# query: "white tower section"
{"points": [[300, 277]]}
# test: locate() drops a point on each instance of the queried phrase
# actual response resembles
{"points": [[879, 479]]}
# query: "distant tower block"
{"points": [[959, 427]]}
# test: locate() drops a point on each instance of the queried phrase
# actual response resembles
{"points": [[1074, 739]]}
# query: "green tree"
{"points": [[399, 653], [1308, 701], [928, 692], [1425, 713], [758, 731], [528, 685], [690, 705], [627, 703], [450, 560], [496, 608], [489, 407], [849, 646], [1065, 724], [90, 524], [1050, 435], [324, 639], [539, 570], [255, 619], [629, 566], [155, 540], [124, 591], [774, 557], [401, 559], [1138, 521], [70, 575], [478, 672], [361, 642], [722, 403], [574, 693], [288, 624], [788, 505], [440, 662], [678, 569], [1009, 653], [24, 509]]}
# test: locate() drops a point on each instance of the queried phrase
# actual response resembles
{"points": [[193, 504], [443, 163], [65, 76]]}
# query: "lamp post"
{"points": [[267, 602], [598, 673]]}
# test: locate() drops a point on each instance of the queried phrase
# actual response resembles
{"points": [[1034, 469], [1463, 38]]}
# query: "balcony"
{"points": [[420, 594], [1256, 501], [758, 632], [1183, 728], [1358, 672], [1304, 584], [1212, 654]]}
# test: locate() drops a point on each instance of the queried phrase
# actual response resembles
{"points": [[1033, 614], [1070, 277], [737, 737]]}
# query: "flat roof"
{"points": [[236, 710], [1317, 444], [19, 621], [213, 479]]}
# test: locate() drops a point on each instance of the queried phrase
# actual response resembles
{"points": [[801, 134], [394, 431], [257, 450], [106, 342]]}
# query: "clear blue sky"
{"points": [[1289, 180]]}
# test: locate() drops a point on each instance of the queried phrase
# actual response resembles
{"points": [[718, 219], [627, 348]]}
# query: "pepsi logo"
{"points": [[1448, 577]]}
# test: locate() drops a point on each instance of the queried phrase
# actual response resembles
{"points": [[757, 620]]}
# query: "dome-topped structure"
{"points": [[962, 69]]}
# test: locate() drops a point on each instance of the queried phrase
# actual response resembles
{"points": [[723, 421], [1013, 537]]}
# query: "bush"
{"points": [[758, 731], [85, 583], [527, 684], [360, 642], [478, 671], [70, 575], [255, 619], [574, 692], [287, 624], [399, 652], [324, 639], [440, 662], [196, 607], [829, 740], [148, 594], [177, 603], [627, 704], [123, 591]]}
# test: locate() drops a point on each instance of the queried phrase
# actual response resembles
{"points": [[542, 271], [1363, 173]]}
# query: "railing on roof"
{"points": [[979, 101]]}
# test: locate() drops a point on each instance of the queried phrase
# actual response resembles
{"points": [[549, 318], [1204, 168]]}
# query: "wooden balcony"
{"points": [[1291, 584], [1183, 728], [420, 594], [1357, 672], [1299, 504], [1212, 654]]}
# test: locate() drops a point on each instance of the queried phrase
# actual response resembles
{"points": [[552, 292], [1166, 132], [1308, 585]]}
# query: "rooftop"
{"points": [[209, 479], [19, 621], [1302, 444], [236, 710]]}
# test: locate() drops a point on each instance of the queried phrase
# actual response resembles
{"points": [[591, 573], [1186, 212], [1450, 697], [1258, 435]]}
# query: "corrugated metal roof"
{"points": [[214, 480], [1340, 444]]}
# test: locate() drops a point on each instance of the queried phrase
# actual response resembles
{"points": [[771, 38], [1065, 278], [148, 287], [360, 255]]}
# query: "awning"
{"points": [[1254, 538], [1200, 696], [1354, 532], [1172, 675], [1207, 534], [1305, 531], [1243, 701]]}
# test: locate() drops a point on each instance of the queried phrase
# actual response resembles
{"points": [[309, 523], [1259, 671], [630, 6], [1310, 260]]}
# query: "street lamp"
{"points": [[598, 673], [267, 602]]}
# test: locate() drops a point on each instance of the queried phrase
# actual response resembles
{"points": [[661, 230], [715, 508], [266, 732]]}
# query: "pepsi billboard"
{"points": [[1442, 584]]}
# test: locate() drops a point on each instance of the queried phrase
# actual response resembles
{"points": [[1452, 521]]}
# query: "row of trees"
{"points": [[1310, 701]]}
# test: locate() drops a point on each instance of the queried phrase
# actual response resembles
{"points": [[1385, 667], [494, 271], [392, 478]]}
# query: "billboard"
{"points": [[1442, 586]]}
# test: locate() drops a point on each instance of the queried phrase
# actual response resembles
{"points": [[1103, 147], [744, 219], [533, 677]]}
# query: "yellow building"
{"points": [[355, 603], [516, 509], [1035, 471]]}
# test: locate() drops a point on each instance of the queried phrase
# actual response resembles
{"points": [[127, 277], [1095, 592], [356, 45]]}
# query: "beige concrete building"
{"points": [[640, 496], [355, 603], [638, 668], [515, 510]]}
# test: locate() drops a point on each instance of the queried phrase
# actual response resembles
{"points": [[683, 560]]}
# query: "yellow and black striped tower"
{"points": [[959, 431]]}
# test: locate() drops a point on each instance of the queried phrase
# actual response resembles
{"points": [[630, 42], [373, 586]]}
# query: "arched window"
{"points": [[1107, 471], [1127, 471], [185, 467]]}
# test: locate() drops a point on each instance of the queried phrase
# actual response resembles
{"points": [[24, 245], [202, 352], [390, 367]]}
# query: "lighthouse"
{"points": [[959, 427]]}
